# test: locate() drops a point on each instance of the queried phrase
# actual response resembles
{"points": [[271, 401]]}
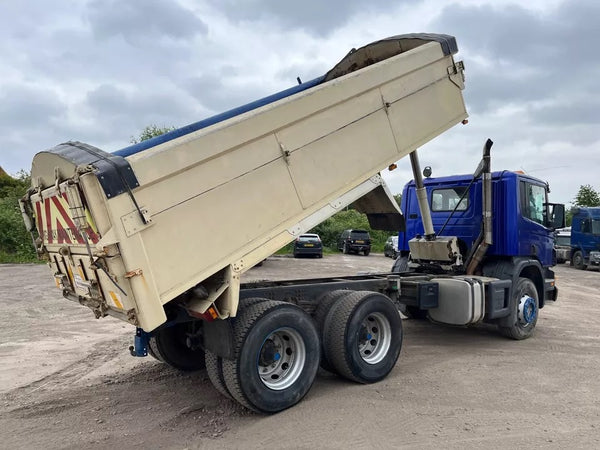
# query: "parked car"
{"points": [[308, 244], [390, 248], [354, 241]]}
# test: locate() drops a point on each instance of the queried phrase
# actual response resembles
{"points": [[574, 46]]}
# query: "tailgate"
{"points": [[68, 238]]}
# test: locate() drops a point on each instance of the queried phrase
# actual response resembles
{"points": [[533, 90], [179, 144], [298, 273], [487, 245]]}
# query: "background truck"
{"points": [[585, 237], [562, 245], [502, 226], [125, 233]]}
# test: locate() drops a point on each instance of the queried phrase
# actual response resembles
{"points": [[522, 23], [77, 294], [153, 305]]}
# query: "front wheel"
{"points": [[363, 336], [400, 265], [526, 303], [578, 261], [276, 356]]}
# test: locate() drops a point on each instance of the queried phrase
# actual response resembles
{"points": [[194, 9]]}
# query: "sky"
{"points": [[99, 71]]}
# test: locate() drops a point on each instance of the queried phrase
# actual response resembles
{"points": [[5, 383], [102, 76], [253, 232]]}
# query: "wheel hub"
{"points": [[374, 339], [281, 358], [527, 310]]}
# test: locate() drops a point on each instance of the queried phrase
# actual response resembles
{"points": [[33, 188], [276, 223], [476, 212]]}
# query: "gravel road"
{"points": [[67, 380]]}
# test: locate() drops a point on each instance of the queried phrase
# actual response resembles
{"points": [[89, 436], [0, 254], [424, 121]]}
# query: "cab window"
{"points": [[533, 198], [448, 199], [590, 226]]}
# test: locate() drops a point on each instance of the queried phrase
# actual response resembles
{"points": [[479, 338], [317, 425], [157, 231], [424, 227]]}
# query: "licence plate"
{"points": [[309, 245], [360, 242]]}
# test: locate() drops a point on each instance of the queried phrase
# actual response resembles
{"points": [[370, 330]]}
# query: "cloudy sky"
{"points": [[99, 71]]}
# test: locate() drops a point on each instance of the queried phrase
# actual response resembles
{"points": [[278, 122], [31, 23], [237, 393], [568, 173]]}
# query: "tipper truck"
{"points": [[124, 233]]}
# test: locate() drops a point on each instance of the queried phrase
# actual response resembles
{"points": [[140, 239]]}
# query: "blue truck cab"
{"points": [[585, 237], [523, 224]]}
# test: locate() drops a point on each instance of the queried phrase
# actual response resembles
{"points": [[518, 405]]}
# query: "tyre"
{"points": [[363, 336], [214, 363], [400, 265], [276, 356], [578, 261], [525, 299], [324, 306], [170, 344], [151, 347], [367, 251], [214, 369]]}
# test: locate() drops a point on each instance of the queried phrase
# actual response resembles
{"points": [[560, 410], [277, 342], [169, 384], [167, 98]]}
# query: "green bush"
{"points": [[330, 231], [15, 242]]}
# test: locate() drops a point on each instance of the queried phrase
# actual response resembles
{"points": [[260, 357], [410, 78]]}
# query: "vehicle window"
{"points": [[533, 198], [308, 237], [585, 226], [563, 240], [359, 235], [447, 199], [596, 226]]}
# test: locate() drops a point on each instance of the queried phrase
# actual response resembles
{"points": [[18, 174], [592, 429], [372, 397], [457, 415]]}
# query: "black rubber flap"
{"points": [[113, 172]]}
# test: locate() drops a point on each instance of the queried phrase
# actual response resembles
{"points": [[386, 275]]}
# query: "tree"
{"points": [[149, 132], [15, 241], [587, 196]]}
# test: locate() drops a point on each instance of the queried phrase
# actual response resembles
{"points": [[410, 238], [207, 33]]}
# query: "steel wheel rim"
{"points": [[281, 358], [375, 338], [527, 311]]}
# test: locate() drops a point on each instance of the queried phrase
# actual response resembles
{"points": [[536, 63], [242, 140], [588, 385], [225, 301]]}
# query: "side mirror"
{"points": [[556, 215]]}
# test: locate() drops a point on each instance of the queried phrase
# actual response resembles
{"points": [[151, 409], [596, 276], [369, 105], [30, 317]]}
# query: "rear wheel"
{"points": [[175, 346], [277, 354], [525, 300], [324, 306], [363, 336], [214, 363], [578, 261], [214, 369]]}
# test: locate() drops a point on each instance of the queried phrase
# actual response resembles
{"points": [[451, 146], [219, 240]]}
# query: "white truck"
{"points": [[157, 234]]}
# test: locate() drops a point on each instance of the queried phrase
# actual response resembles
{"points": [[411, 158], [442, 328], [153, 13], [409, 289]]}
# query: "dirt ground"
{"points": [[67, 380]]}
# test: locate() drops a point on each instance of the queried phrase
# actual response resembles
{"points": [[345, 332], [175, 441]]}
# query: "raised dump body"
{"points": [[182, 216]]}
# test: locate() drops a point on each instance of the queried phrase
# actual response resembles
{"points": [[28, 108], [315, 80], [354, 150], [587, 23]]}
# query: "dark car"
{"points": [[391, 247], [308, 244], [355, 241]]}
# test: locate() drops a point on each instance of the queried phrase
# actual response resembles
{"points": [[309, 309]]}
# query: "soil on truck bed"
{"points": [[67, 380]]}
